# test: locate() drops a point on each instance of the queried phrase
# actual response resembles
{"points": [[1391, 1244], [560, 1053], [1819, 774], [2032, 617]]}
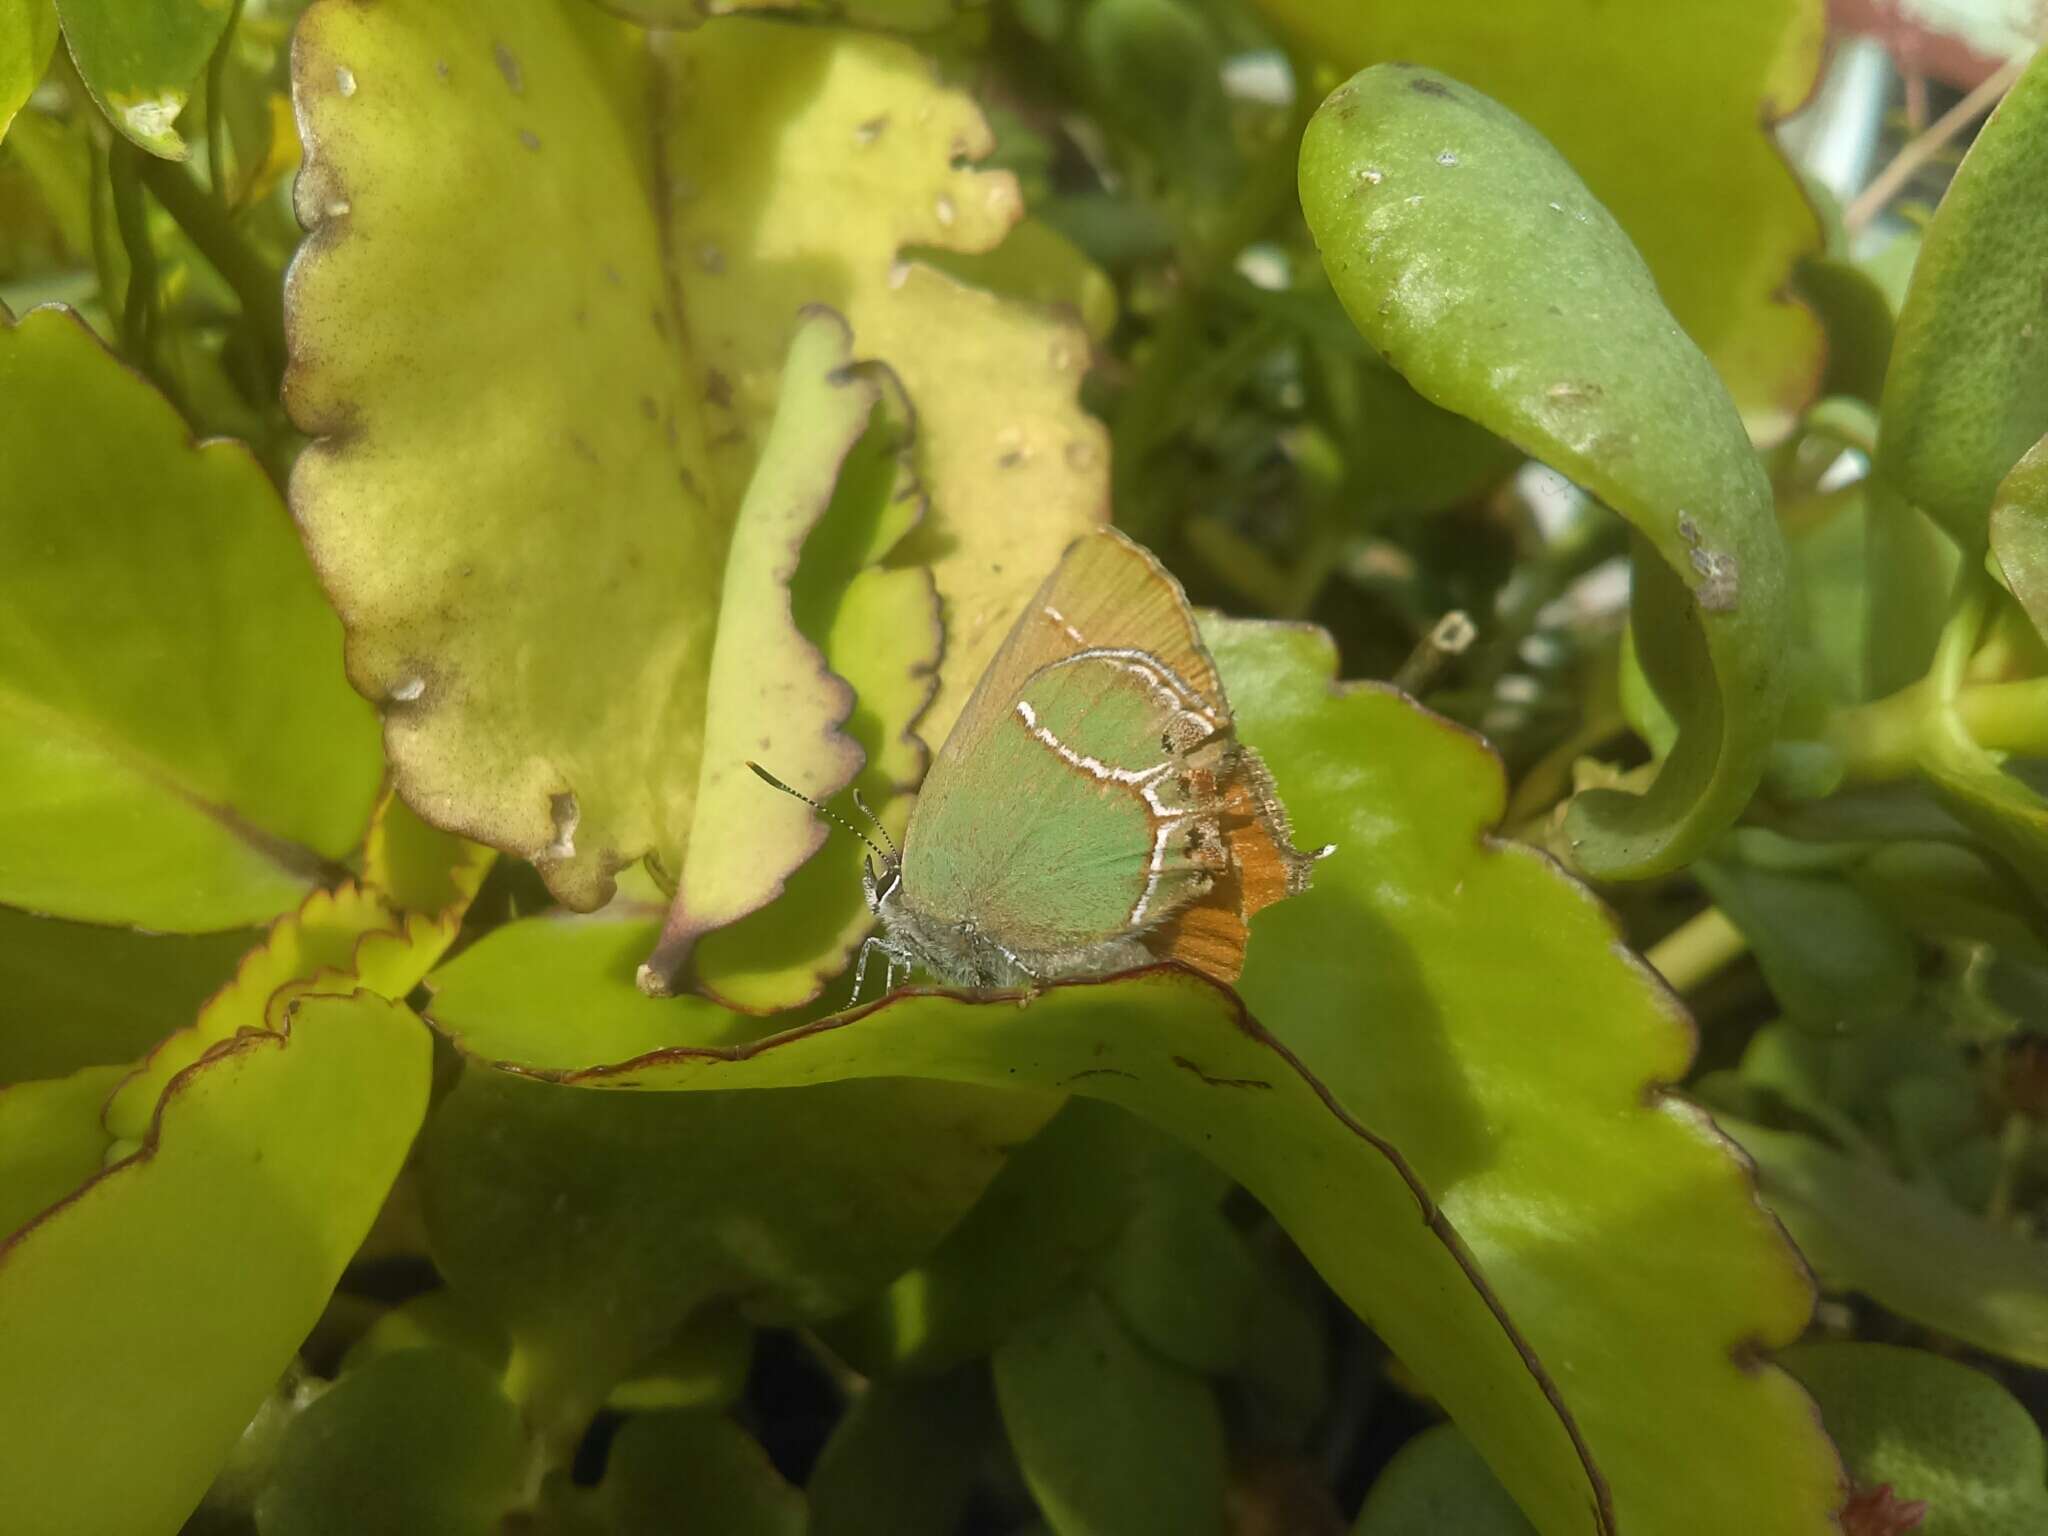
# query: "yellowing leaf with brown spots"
{"points": [[538, 333]]}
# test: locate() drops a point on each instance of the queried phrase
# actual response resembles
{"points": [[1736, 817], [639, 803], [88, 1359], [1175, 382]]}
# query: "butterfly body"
{"points": [[1092, 810]]}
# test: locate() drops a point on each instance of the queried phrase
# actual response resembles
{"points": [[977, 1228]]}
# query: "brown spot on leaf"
{"points": [[508, 66]]}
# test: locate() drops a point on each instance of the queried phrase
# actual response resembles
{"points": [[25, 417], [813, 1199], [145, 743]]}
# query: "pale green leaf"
{"points": [[177, 747], [129, 1382]]}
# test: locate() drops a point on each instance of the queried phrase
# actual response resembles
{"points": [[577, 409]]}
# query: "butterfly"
{"points": [[1092, 809]]}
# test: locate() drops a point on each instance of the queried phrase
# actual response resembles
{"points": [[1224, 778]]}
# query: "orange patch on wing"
{"points": [[1209, 933]]}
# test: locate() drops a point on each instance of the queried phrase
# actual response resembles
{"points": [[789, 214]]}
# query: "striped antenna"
{"points": [[828, 812]]}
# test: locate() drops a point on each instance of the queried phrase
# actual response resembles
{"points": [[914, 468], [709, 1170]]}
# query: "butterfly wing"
{"points": [[1092, 788], [1081, 823]]}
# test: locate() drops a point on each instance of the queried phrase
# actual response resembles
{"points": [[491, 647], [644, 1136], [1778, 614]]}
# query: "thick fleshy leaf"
{"points": [[522, 984], [815, 190], [1437, 1485], [631, 365], [28, 31], [420, 1440], [70, 998], [181, 1281], [177, 748], [1110, 1437], [1567, 1201], [904, 1458], [2019, 533], [1480, 266], [1180, 1275], [1967, 392], [1405, 987], [698, 1471], [591, 1226], [1665, 121], [770, 695], [51, 1140], [1864, 1230], [337, 941], [141, 60], [1934, 1432], [1058, 1205], [1831, 955]]}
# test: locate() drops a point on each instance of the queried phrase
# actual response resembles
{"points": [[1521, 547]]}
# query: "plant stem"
{"points": [[255, 281], [1886, 183], [2014, 1140], [1697, 949], [131, 220]]}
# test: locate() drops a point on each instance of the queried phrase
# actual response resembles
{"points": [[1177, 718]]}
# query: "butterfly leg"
{"points": [[860, 967]]}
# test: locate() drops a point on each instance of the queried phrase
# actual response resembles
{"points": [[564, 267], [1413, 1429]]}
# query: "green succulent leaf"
{"points": [[337, 941], [1110, 1437], [1564, 1211], [1666, 123], [1438, 1485], [1832, 956], [177, 748], [1478, 264], [418, 1440], [261, 1174], [1856, 314], [51, 1140], [1967, 392], [28, 31], [592, 1226], [69, 998], [1934, 1432], [1180, 1275], [1054, 1210], [770, 694], [1865, 1230], [672, 1472], [904, 1459], [2019, 533], [774, 168], [141, 60]]}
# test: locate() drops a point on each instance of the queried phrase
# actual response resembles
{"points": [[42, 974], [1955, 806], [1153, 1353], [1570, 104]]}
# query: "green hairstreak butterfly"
{"points": [[1092, 809]]}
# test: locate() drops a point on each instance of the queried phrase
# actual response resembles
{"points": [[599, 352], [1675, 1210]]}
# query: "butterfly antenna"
{"points": [[825, 810], [871, 816]]}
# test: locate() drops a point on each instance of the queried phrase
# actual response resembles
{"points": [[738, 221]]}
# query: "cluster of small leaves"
{"points": [[441, 443]]}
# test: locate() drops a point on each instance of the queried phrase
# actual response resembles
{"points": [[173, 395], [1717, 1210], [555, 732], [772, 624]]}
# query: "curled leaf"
{"points": [[770, 694], [1667, 123], [1477, 263]]}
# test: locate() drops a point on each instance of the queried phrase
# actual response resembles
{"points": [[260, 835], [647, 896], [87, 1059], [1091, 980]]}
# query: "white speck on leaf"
{"points": [[566, 814], [1448, 157], [148, 117], [345, 80], [1370, 176], [899, 272], [336, 207], [409, 689], [944, 211]]}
